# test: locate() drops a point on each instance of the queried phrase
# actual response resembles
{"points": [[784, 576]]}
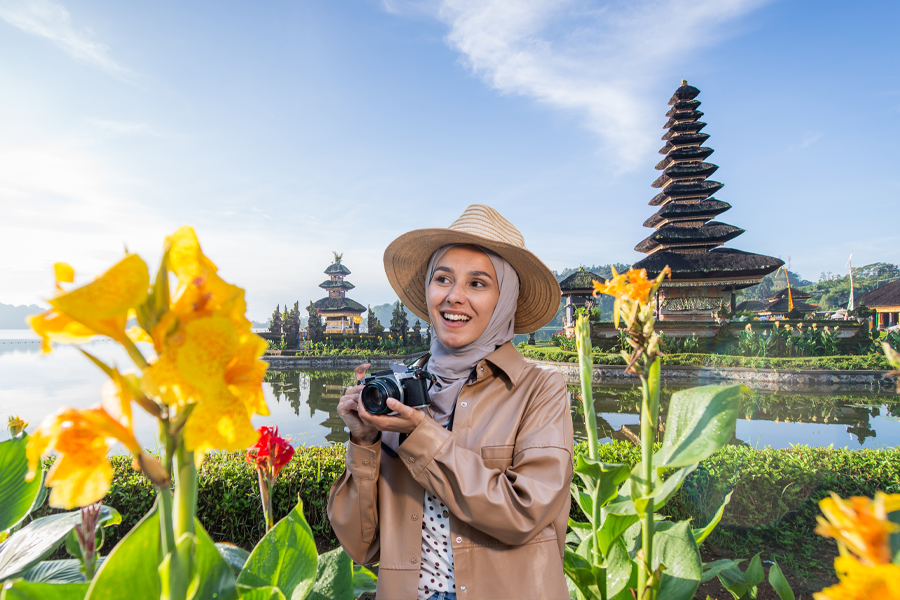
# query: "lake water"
{"points": [[303, 403]]}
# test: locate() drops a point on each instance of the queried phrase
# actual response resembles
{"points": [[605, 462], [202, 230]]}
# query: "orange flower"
{"points": [[860, 582], [632, 285], [860, 525]]}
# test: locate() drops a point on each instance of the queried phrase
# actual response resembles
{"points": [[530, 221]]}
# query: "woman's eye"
{"points": [[478, 284]]}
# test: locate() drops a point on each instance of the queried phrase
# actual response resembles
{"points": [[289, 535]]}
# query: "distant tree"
{"points": [[374, 326], [400, 322], [417, 334], [314, 324]]}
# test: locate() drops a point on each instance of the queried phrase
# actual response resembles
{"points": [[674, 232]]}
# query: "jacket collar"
{"points": [[507, 359]]}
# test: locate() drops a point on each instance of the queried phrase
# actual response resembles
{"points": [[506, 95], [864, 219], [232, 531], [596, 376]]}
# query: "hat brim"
{"points": [[406, 260]]}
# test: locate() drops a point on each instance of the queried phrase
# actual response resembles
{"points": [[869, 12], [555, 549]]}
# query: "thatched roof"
{"points": [[691, 189], [693, 153], [721, 262], [343, 304], [713, 233], [336, 285], [579, 283], [337, 269], [683, 139], [751, 305], [885, 295], [684, 92], [673, 210], [683, 105], [685, 171], [782, 306], [795, 294], [681, 115]]}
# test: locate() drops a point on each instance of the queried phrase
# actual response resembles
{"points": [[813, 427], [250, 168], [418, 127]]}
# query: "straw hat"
{"points": [[406, 259]]}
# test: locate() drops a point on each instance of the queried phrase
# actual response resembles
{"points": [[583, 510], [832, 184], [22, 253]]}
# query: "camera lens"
{"points": [[375, 395]]}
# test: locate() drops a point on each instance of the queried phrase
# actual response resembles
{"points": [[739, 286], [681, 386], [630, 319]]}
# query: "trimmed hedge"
{"points": [[774, 500], [865, 362]]}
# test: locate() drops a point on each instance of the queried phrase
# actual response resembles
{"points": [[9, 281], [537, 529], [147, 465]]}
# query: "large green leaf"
{"points": [[285, 558], [364, 581], [17, 496], [777, 581], [135, 560], [618, 569], [733, 581], [754, 575], [37, 540], [674, 547], [57, 571], [702, 533], [263, 593], [334, 577], [215, 577], [699, 422], [235, 556], [712, 569], [602, 480], [582, 574], [27, 590], [613, 527]]}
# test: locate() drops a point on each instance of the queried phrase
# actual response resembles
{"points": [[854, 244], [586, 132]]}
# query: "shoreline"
{"points": [[279, 363]]}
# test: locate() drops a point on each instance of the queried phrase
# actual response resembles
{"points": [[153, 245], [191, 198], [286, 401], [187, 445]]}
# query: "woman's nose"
{"points": [[455, 295]]}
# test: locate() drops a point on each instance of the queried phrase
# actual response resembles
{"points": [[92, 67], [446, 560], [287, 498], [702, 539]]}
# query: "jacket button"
{"points": [[413, 561], [463, 404], [458, 540], [462, 589], [415, 517], [411, 459], [365, 463]]}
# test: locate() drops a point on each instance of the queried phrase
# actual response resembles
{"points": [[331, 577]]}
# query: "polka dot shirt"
{"points": [[436, 571]]}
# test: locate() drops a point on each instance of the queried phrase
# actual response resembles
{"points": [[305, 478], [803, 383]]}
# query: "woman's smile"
{"points": [[462, 295]]}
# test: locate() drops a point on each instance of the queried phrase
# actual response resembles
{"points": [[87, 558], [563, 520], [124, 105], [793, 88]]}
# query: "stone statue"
{"points": [[276, 325]]}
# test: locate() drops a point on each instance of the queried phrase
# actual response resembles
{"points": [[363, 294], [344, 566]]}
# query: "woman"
{"points": [[468, 499]]}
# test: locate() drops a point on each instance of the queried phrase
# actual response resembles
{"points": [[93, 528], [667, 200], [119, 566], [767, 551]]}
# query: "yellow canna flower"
{"points": [[861, 582], [208, 362], [99, 308], [81, 474], [860, 525], [16, 425]]}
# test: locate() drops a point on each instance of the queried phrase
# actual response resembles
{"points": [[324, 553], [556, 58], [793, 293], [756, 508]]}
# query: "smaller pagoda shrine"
{"points": [[704, 277], [577, 290], [340, 314], [780, 304]]}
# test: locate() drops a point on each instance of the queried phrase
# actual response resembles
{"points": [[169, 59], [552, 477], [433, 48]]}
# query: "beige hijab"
{"points": [[454, 365]]}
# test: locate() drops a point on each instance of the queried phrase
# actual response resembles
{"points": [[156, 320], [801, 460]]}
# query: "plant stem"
{"points": [[266, 498], [647, 439], [586, 370], [185, 491]]}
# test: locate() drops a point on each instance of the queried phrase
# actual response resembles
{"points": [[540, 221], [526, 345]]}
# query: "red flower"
{"points": [[271, 453]]}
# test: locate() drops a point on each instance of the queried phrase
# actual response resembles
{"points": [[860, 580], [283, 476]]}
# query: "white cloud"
{"points": [[125, 128], [52, 21], [596, 59]]}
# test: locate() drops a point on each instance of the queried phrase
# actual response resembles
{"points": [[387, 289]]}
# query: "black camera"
{"points": [[408, 385]]}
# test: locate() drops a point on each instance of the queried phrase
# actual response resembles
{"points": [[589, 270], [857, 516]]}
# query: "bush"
{"points": [[774, 501], [868, 362]]}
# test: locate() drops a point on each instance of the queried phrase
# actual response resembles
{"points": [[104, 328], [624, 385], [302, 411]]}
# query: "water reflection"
{"points": [[319, 391], [765, 419]]}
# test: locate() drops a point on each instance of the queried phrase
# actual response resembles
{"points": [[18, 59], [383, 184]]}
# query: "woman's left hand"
{"points": [[405, 421]]}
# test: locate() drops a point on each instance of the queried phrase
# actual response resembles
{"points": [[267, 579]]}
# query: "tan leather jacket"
{"points": [[503, 472]]}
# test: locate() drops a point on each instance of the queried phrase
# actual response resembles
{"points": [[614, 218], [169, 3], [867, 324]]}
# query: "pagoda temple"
{"points": [[341, 314], [705, 276], [578, 290]]}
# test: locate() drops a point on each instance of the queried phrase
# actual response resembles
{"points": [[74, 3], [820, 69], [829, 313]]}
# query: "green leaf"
{"points": [[57, 571], [699, 422], [754, 574], [37, 540], [622, 504], [733, 581], [582, 499], [364, 581], [602, 480], [675, 548], [653, 378], [618, 569], [263, 593], [613, 527], [285, 558], [712, 569], [26, 590], [781, 585], [17, 496], [334, 577], [703, 533], [235, 556], [215, 577], [582, 574], [134, 559]]}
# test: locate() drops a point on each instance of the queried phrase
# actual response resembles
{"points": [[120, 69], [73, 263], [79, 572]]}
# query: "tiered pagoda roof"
{"points": [[580, 283], [685, 237], [337, 289]]}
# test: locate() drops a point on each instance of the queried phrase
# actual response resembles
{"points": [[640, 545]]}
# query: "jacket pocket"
{"points": [[497, 457]]}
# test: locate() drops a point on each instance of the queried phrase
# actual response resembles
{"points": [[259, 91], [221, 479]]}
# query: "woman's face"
{"points": [[462, 295]]}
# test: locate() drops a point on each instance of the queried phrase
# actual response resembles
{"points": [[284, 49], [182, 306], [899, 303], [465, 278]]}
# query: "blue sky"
{"points": [[285, 130]]}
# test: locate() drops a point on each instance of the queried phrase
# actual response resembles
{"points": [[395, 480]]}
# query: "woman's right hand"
{"points": [[361, 433]]}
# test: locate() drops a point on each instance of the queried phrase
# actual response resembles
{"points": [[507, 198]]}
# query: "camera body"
{"points": [[408, 385]]}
